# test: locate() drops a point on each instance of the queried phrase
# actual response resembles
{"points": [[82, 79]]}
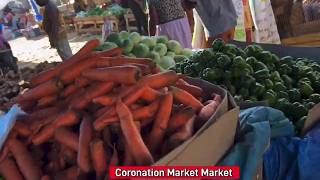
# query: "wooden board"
{"points": [[309, 40]]}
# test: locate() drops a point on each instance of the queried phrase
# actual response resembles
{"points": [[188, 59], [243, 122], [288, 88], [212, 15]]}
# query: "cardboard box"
{"points": [[214, 139]]}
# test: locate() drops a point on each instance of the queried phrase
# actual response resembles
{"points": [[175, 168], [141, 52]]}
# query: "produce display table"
{"points": [[309, 40], [94, 24]]}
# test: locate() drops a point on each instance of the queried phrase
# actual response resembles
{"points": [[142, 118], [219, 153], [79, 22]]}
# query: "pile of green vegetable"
{"points": [[113, 10], [163, 51], [251, 75]]}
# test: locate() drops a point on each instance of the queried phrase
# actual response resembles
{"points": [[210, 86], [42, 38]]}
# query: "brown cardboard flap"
{"points": [[312, 120]]}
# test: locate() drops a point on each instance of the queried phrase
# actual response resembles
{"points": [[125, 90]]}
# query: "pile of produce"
{"points": [[113, 10], [98, 110], [251, 75], [11, 84], [163, 51]]}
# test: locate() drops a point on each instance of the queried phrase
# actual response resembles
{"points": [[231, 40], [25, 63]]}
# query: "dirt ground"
{"points": [[36, 50]]}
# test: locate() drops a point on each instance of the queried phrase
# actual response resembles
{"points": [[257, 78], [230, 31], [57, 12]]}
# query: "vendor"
{"points": [[53, 26], [168, 18], [136, 7], [218, 17], [79, 6]]}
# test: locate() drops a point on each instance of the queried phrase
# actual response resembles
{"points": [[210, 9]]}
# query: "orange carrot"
{"points": [[95, 90], [101, 111], [42, 90], [150, 94], [99, 159], [138, 114], [69, 74], [69, 90], [161, 80], [139, 150], [81, 82], [194, 90], [45, 177], [23, 157], [145, 70], [68, 118], [114, 161], [182, 134], [119, 61], [67, 138], [186, 98], [82, 54], [160, 125], [208, 110], [110, 53], [42, 113], [9, 170], [180, 118], [117, 74], [47, 100], [104, 100], [69, 174], [86, 133], [22, 129]]}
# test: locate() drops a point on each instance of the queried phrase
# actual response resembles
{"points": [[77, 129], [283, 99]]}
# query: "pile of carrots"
{"points": [[97, 110]]}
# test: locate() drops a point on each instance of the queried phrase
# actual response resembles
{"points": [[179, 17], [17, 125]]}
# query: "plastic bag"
{"points": [[7, 121]]}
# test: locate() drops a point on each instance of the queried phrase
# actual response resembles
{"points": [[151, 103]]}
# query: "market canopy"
{"points": [[3, 3]]}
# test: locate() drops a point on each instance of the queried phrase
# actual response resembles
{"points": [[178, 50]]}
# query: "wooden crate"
{"points": [[93, 24]]}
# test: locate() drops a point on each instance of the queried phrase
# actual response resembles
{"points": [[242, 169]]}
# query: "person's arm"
{"points": [[153, 20]]}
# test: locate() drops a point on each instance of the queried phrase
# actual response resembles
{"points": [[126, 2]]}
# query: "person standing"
{"points": [[168, 18], [52, 24], [79, 6], [218, 17], [140, 16]]}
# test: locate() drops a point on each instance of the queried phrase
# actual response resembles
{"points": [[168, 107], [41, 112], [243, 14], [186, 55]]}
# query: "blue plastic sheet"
{"points": [[291, 158], [257, 126], [7, 121]]}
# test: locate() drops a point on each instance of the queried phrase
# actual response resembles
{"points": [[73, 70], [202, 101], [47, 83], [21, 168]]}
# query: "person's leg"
{"points": [[63, 49], [135, 10]]}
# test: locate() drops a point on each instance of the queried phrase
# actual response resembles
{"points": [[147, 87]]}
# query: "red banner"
{"points": [[174, 172]]}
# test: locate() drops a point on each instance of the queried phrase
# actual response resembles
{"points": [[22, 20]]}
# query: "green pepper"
{"points": [[259, 66], [284, 69], [282, 94], [218, 45], [315, 98], [244, 92], [312, 76], [284, 105], [287, 81], [315, 67], [275, 76], [241, 53], [211, 74], [294, 95], [258, 89], [238, 98], [287, 60], [268, 84], [236, 72], [223, 61], [305, 89], [248, 81], [279, 87], [316, 86], [299, 110], [310, 105], [262, 74], [270, 97], [239, 62], [251, 60], [266, 57]]}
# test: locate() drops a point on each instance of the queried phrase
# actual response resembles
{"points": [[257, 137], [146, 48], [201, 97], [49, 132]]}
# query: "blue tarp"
{"points": [[257, 126], [267, 136]]}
